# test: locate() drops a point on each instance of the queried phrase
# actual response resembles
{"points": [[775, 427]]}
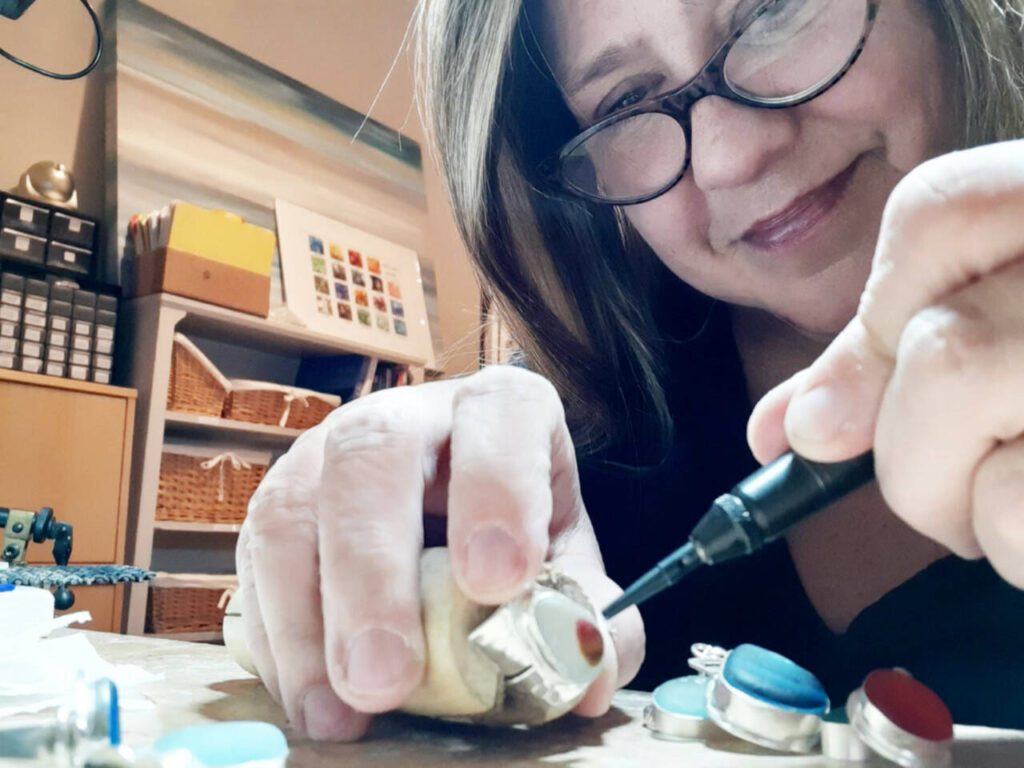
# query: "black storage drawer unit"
{"points": [[25, 216], [59, 240], [73, 230], [68, 257], [22, 246]]}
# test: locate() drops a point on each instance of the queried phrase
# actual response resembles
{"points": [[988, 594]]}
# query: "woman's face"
{"points": [[779, 209]]}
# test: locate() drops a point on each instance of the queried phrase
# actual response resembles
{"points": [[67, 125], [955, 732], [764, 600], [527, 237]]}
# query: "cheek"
{"points": [[897, 89], [673, 225]]}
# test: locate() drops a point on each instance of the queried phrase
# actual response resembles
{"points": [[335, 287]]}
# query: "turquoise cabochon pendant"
{"points": [[764, 698], [678, 710]]}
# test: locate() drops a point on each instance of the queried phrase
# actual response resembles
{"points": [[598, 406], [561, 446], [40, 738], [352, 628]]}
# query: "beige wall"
{"points": [[343, 48]]}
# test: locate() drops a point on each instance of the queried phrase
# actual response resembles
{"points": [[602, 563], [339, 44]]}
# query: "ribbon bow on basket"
{"points": [[219, 461], [290, 398]]}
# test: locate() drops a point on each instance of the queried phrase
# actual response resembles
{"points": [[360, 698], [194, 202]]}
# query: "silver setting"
{"points": [[840, 742], [674, 727], [707, 660], [892, 742], [755, 721], [512, 638]]}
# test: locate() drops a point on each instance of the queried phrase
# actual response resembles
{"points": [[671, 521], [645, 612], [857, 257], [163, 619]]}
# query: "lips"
{"points": [[793, 224]]}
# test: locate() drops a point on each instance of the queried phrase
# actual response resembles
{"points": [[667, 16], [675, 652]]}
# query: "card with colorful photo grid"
{"points": [[350, 283]]}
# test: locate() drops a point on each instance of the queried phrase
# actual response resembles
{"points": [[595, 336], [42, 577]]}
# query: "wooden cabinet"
{"points": [[67, 445]]}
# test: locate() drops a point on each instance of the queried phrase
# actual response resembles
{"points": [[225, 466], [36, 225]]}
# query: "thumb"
{"points": [[828, 411]]}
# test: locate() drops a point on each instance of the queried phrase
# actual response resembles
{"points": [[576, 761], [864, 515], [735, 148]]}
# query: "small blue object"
{"points": [[774, 680], [685, 696], [6, 587], [225, 744]]}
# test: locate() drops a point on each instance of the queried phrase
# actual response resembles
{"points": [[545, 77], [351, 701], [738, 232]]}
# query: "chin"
{"points": [[821, 322]]}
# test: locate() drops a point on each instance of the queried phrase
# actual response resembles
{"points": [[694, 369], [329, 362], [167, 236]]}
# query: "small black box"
{"points": [[10, 330], [103, 362], [18, 245], [106, 317], [56, 369], [100, 377], [56, 354], [85, 298], [30, 364], [83, 319], [79, 358], [12, 282], [62, 293], [8, 361], [55, 338], [60, 308], [9, 314], [104, 346], [37, 319], [33, 334], [72, 229], [78, 372], [81, 343], [8, 346], [25, 217], [68, 258], [108, 303], [12, 289], [37, 295], [31, 349]]}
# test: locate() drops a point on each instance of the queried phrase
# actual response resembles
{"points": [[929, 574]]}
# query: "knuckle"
{"points": [[945, 340], [281, 504], [508, 382], [380, 425]]}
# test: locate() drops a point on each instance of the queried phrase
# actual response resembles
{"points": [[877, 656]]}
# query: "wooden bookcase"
{"points": [[68, 445], [148, 325]]}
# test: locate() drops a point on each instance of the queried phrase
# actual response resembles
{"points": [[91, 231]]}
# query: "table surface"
{"points": [[201, 684]]}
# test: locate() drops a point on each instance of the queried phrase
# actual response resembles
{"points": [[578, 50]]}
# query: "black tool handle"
{"points": [[791, 488]]}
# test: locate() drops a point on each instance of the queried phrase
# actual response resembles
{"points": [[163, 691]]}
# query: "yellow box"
{"points": [[211, 256]]}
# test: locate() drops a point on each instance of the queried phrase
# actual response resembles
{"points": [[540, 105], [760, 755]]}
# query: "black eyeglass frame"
{"points": [[709, 81]]}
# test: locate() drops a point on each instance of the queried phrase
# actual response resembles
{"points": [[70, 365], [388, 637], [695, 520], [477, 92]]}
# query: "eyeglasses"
{"points": [[785, 53]]}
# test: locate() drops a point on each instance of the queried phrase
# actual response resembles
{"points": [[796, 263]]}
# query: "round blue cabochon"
{"points": [[685, 696], [774, 679]]}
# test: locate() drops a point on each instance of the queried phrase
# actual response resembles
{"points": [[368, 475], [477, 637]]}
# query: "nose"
{"points": [[734, 144]]}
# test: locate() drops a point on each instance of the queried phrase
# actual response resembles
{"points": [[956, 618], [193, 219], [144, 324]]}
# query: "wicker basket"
{"points": [[187, 603], [196, 385], [196, 487], [263, 403]]}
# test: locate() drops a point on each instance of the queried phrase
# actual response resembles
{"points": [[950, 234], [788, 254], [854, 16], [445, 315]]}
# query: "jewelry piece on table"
{"points": [[762, 697], [549, 645], [902, 720]]}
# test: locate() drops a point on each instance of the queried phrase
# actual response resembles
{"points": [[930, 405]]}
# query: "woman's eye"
{"points": [[633, 97], [634, 94]]}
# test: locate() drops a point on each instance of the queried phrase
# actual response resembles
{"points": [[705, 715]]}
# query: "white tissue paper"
{"points": [[37, 671]]}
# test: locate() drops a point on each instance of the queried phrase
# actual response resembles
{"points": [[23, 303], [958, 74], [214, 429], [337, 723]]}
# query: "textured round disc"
{"points": [[775, 680], [909, 705]]}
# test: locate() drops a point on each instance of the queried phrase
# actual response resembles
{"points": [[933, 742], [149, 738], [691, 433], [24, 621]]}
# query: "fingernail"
{"points": [[494, 561], [377, 661], [819, 415], [326, 716]]}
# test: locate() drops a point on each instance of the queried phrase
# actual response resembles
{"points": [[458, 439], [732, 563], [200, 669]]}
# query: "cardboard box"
{"points": [[194, 277], [211, 256]]}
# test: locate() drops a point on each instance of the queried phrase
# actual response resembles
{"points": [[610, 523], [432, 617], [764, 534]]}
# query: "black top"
{"points": [[956, 626]]}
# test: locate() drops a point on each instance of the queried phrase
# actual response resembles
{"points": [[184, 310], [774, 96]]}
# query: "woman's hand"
{"points": [[931, 370], [329, 552]]}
